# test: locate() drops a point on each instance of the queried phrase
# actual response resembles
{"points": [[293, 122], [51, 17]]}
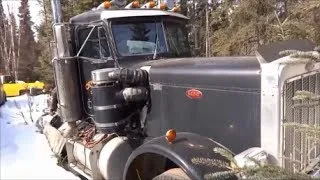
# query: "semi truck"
{"points": [[131, 102]]}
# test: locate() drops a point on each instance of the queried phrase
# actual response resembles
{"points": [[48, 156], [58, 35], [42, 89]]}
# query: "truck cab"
{"points": [[108, 38]]}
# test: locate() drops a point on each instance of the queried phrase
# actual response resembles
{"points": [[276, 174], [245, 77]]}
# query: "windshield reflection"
{"points": [[138, 38]]}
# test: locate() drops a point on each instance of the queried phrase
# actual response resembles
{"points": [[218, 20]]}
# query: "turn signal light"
{"points": [[171, 135], [135, 4], [107, 4], [163, 6]]}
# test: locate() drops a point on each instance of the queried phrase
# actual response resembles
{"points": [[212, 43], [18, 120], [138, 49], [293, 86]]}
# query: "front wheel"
{"points": [[173, 174]]}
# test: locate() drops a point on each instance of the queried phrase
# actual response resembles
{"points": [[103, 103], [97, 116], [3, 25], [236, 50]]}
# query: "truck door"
{"points": [[94, 54]]}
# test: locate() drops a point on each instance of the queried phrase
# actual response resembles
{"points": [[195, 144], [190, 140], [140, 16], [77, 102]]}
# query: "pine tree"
{"points": [[303, 19], [45, 36], [1, 37], [13, 45], [240, 27], [4, 40], [44, 54], [249, 25], [2, 15], [27, 58]]}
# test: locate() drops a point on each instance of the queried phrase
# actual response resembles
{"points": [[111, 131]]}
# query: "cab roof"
{"points": [[96, 15]]}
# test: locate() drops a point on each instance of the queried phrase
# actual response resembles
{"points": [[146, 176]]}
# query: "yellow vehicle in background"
{"points": [[17, 88]]}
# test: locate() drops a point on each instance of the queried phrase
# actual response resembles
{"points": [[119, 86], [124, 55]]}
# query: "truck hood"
{"points": [[215, 97], [221, 72]]}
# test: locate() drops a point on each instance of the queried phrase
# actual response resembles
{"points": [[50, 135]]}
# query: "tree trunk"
{"points": [[5, 52], [13, 47]]}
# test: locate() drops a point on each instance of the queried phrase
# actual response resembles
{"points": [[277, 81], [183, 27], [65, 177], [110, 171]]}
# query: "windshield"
{"points": [[144, 37], [177, 38]]}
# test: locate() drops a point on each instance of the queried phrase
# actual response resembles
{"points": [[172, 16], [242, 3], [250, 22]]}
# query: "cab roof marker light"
{"points": [[101, 6], [176, 9], [134, 4], [162, 6], [107, 4], [149, 5]]}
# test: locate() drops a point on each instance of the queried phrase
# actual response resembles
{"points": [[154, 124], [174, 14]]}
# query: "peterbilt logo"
{"points": [[194, 94]]}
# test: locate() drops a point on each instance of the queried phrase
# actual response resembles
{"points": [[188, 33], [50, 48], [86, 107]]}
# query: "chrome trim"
{"points": [[102, 108], [56, 11], [273, 77]]}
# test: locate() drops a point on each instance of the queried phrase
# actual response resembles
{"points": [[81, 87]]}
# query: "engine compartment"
{"points": [[119, 95]]}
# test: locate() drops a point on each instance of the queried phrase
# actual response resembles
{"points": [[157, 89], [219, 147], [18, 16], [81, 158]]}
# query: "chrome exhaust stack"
{"points": [[65, 69], [56, 11]]}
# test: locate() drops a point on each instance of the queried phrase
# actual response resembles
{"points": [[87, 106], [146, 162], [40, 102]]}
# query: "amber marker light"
{"points": [[176, 9], [163, 6], [135, 4], [152, 4], [107, 4], [171, 135]]}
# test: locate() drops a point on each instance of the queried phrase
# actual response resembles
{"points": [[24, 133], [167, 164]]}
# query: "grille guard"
{"points": [[275, 77]]}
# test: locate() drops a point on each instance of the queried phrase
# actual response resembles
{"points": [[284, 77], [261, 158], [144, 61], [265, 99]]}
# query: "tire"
{"points": [[35, 91], [54, 101], [23, 92], [173, 174], [4, 99]]}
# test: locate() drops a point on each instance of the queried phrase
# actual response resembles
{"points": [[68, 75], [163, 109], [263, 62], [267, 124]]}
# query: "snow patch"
{"points": [[24, 153]]}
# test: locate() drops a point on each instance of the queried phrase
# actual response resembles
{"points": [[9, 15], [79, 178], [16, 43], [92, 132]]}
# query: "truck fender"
{"points": [[189, 151]]}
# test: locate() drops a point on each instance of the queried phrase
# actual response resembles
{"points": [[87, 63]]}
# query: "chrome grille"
{"points": [[300, 147]]}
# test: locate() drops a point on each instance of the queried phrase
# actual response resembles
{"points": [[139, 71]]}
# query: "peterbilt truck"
{"points": [[132, 103]]}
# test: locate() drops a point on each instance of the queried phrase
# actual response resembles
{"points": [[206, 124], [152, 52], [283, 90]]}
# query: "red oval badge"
{"points": [[194, 94]]}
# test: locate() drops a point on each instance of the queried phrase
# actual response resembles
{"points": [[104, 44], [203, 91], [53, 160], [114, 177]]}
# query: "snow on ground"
{"points": [[24, 153]]}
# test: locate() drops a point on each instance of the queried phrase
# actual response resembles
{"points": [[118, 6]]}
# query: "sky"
{"points": [[35, 10]]}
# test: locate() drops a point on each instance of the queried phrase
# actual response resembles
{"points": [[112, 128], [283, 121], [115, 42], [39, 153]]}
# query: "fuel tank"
{"points": [[215, 97]]}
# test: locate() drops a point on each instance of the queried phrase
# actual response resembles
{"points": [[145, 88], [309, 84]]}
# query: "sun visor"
{"points": [[269, 53]]}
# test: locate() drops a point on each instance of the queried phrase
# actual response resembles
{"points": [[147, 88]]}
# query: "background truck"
{"points": [[132, 103], [17, 88]]}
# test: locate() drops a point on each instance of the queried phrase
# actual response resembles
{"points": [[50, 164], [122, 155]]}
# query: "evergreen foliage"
{"points": [[258, 172], [27, 45]]}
